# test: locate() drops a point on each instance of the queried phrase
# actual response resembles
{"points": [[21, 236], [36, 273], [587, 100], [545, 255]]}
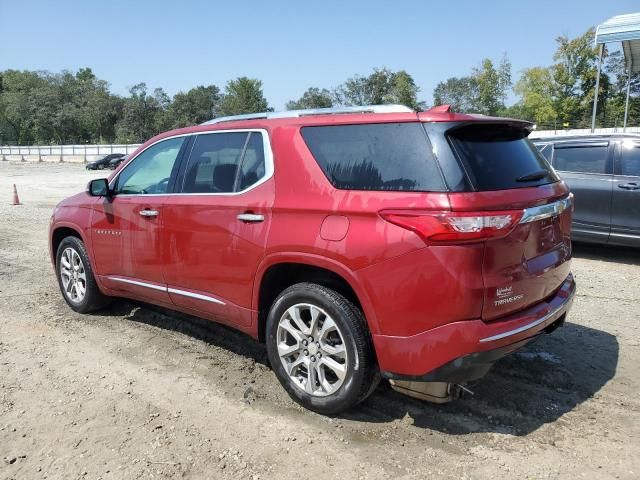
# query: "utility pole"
{"points": [[595, 95]]}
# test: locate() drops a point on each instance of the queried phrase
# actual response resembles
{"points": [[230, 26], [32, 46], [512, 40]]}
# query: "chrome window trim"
{"points": [[541, 212], [528, 326], [268, 164], [177, 291], [583, 173], [194, 295]]}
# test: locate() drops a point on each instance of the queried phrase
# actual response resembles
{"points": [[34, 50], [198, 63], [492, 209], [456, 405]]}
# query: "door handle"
{"points": [[250, 217], [629, 186], [148, 213]]}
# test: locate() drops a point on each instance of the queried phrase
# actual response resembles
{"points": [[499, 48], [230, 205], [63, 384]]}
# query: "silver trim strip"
{"points": [[195, 295], [534, 214], [530, 325], [138, 283], [167, 289], [314, 111]]}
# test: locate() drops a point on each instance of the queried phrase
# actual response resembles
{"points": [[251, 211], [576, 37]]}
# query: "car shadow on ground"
{"points": [[212, 333], [523, 391], [607, 253]]}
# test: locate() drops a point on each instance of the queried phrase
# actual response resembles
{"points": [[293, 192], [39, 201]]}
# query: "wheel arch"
{"points": [[279, 272], [59, 233]]}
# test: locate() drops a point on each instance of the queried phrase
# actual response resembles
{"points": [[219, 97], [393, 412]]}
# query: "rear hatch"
{"points": [[504, 172]]}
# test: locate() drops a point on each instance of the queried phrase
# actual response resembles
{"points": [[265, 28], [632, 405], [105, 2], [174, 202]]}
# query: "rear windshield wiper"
{"points": [[533, 176]]}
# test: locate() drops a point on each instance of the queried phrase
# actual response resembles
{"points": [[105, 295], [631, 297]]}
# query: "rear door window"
{"points": [[226, 162], [499, 157], [581, 159], [630, 159], [383, 156]]}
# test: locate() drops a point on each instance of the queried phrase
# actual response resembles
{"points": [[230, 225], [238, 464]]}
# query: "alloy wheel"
{"points": [[312, 349], [73, 275]]}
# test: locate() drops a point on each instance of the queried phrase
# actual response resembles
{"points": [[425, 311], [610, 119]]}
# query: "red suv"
{"points": [[357, 243]]}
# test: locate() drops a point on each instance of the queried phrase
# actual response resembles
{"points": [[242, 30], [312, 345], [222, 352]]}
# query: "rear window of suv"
{"points": [[499, 157], [382, 156]]}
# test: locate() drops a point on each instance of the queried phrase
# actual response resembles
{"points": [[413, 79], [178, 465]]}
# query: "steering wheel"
{"points": [[160, 187]]}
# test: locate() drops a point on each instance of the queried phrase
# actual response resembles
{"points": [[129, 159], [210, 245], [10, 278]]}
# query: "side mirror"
{"points": [[99, 188]]}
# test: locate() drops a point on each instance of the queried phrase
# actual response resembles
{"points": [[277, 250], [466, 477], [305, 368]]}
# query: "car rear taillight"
{"points": [[455, 227]]}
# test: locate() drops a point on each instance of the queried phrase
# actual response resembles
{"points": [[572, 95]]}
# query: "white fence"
{"points": [[62, 153], [582, 131]]}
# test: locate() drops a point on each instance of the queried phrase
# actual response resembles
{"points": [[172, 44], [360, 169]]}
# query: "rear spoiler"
{"points": [[523, 125], [464, 119]]}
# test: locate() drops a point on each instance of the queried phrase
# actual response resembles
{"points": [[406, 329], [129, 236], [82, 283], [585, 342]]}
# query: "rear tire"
{"points": [[320, 349], [75, 277]]}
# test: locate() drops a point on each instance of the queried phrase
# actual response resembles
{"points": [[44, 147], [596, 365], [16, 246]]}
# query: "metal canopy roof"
{"points": [[625, 29]]}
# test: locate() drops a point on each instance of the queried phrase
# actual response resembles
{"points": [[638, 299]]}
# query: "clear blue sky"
{"points": [[289, 45]]}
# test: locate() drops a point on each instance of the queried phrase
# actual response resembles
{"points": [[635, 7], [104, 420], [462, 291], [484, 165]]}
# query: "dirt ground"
{"points": [[140, 392]]}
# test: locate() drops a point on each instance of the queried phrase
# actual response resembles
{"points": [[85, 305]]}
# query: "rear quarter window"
{"points": [[383, 156], [499, 157]]}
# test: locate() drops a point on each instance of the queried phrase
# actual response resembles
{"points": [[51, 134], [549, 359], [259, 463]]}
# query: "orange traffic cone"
{"points": [[16, 199]]}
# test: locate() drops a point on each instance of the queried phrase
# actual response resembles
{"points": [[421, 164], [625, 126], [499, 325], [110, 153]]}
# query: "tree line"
{"points": [[63, 108]]}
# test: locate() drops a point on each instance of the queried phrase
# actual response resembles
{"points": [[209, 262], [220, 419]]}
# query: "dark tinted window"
{"points": [[585, 159], [224, 163], [253, 167], [497, 157], [385, 156], [630, 159]]}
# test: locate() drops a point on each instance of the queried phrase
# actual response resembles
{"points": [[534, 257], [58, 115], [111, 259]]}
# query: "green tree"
{"points": [[504, 78], [15, 112], [195, 106], [143, 115], [404, 91], [490, 88], [459, 92], [243, 95], [312, 98], [354, 91], [616, 70], [574, 76], [536, 89], [383, 86]]}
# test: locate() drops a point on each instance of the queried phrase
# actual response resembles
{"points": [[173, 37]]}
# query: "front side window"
{"points": [[149, 172], [630, 159], [581, 159], [224, 163], [383, 156]]}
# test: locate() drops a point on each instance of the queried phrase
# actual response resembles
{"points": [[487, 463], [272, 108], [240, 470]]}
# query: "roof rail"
{"points": [[314, 111]]}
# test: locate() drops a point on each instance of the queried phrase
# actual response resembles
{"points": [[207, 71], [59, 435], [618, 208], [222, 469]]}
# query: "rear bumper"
{"points": [[466, 350]]}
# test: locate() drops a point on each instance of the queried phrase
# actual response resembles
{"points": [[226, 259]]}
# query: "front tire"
{"points": [[75, 277], [320, 348]]}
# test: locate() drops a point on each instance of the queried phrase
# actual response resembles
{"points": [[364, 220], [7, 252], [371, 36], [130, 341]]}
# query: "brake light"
{"points": [[454, 227]]}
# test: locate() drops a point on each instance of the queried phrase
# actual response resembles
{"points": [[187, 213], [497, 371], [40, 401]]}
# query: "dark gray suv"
{"points": [[603, 172]]}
